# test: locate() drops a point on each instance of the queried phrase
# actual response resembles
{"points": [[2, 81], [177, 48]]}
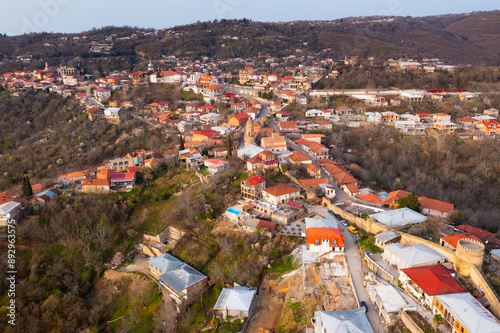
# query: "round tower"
{"points": [[249, 133], [469, 252]]}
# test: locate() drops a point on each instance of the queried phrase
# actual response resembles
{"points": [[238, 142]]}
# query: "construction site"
{"points": [[287, 303]]}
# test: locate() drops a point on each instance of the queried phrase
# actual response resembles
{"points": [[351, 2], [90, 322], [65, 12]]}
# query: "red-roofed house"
{"points": [[205, 135], [435, 207], [391, 200], [429, 281], [123, 180], [323, 238], [36, 188], [238, 120], [251, 188], [216, 166], [450, 242], [371, 198], [280, 194], [96, 186]]}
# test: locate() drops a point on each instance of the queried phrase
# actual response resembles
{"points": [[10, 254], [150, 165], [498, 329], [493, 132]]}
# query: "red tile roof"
{"points": [[313, 234], [434, 280], [392, 198], [370, 198], [270, 226], [282, 189], [436, 205], [474, 230], [255, 179], [453, 239]]}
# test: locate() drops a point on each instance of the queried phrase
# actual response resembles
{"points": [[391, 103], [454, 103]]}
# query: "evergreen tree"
{"points": [[181, 143], [410, 201], [27, 190], [229, 146]]}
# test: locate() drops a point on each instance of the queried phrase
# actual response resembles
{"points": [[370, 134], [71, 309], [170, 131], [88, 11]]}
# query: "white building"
{"points": [[412, 256], [235, 302], [280, 194], [345, 321], [399, 217]]}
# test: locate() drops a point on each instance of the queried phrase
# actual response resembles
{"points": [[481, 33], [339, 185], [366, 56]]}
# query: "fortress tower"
{"points": [[469, 252], [249, 133]]}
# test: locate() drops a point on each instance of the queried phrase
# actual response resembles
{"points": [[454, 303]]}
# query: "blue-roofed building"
{"points": [[178, 278]]}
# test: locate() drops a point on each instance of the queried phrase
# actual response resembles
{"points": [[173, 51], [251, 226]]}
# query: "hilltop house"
{"points": [[324, 236], [235, 302], [280, 194], [180, 280], [251, 188]]}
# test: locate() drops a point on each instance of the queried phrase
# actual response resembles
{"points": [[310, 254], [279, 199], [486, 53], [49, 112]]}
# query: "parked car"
{"points": [[344, 223], [338, 217], [363, 304], [331, 212], [353, 229]]}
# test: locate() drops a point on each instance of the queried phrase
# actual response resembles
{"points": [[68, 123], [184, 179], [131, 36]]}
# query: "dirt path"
{"points": [[270, 307]]}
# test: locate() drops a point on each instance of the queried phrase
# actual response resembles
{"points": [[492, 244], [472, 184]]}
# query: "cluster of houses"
{"points": [[118, 174], [13, 207]]}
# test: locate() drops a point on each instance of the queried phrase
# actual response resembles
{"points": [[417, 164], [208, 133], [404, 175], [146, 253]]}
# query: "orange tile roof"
{"points": [[437, 205], [270, 142], [9, 194], [314, 182], [36, 187], [297, 156], [95, 182], [370, 198], [392, 198], [313, 234], [282, 189], [352, 188], [453, 239], [344, 178]]}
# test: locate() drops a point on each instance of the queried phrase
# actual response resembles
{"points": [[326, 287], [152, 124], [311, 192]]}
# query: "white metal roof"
{"points": [[390, 298], [345, 321], [321, 223], [8, 207], [238, 298], [416, 254], [470, 313], [398, 217]]}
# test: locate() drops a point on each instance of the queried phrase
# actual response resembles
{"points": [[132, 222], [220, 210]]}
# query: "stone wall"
{"points": [[369, 225], [409, 240], [375, 268], [479, 281], [409, 323]]}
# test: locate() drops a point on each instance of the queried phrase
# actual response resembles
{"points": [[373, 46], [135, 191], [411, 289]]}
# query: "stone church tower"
{"points": [[249, 133]]}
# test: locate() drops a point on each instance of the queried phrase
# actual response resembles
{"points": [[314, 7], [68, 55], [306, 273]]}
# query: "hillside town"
{"points": [[262, 133]]}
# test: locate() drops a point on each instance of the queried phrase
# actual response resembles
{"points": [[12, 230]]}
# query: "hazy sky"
{"points": [[17, 17]]}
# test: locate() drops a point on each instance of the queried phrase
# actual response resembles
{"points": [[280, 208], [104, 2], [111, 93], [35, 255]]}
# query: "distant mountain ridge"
{"points": [[461, 39]]}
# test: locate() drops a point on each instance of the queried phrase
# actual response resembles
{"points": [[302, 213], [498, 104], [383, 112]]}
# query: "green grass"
{"points": [[283, 266], [367, 242]]}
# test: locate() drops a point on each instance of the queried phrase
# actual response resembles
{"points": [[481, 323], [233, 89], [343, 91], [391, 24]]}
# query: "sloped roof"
{"points": [[178, 274], [255, 179], [397, 217], [7, 207], [434, 280], [370, 198], [238, 298], [345, 321], [453, 239], [392, 197], [314, 182], [321, 223], [343, 178], [281, 189], [470, 313], [436, 205], [386, 236], [416, 254]]}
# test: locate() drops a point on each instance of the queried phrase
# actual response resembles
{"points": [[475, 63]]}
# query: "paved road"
{"points": [[356, 269]]}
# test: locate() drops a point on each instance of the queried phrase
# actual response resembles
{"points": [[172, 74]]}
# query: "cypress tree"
{"points": [[229, 146], [181, 143], [27, 190]]}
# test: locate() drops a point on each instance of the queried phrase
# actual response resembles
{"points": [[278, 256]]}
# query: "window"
{"points": [[316, 241]]}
